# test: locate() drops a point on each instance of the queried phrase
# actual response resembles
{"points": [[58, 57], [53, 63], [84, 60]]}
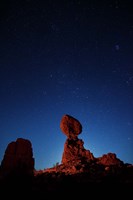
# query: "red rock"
{"points": [[70, 126], [18, 157], [109, 159], [75, 151]]}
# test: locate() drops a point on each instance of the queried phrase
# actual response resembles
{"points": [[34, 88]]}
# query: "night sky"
{"points": [[67, 57]]}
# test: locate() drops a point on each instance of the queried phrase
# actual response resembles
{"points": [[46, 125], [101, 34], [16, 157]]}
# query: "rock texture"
{"points": [[74, 150], [18, 158], [70, 126], [109, 159]]}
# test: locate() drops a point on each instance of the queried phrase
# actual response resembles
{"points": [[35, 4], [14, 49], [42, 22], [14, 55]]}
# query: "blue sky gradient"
{"points": [[67, 57]]}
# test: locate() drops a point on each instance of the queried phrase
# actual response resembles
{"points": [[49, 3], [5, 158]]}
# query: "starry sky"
{"points": [[67, 57]]}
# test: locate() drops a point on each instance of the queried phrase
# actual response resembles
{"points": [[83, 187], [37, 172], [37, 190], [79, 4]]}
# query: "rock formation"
{"points": [[74, 150], [75, 154], [109, 159], [70, 126], [18, 158], [79, 172]]}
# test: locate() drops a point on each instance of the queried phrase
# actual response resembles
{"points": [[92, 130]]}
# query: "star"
{"points": [[117, 47]]}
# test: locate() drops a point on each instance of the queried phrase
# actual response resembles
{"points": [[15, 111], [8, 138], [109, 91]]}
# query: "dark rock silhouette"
{"points": [[18, 158]]}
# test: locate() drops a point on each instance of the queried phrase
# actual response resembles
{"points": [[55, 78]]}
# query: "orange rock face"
{"points": [[70, 126], [110, 159], [75, 151]]}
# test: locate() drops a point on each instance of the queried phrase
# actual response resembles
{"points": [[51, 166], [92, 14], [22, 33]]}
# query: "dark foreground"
{"points": [[65, 186]]}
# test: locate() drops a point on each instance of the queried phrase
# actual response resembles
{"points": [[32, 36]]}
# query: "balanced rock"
{"points": [[70, 126], [18, 158], [74, 150]]}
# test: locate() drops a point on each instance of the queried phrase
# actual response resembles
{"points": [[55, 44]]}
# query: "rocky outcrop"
{"points": [[77, 159], [18, 158], [79, 172], [109, 159], [74, 150]]}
